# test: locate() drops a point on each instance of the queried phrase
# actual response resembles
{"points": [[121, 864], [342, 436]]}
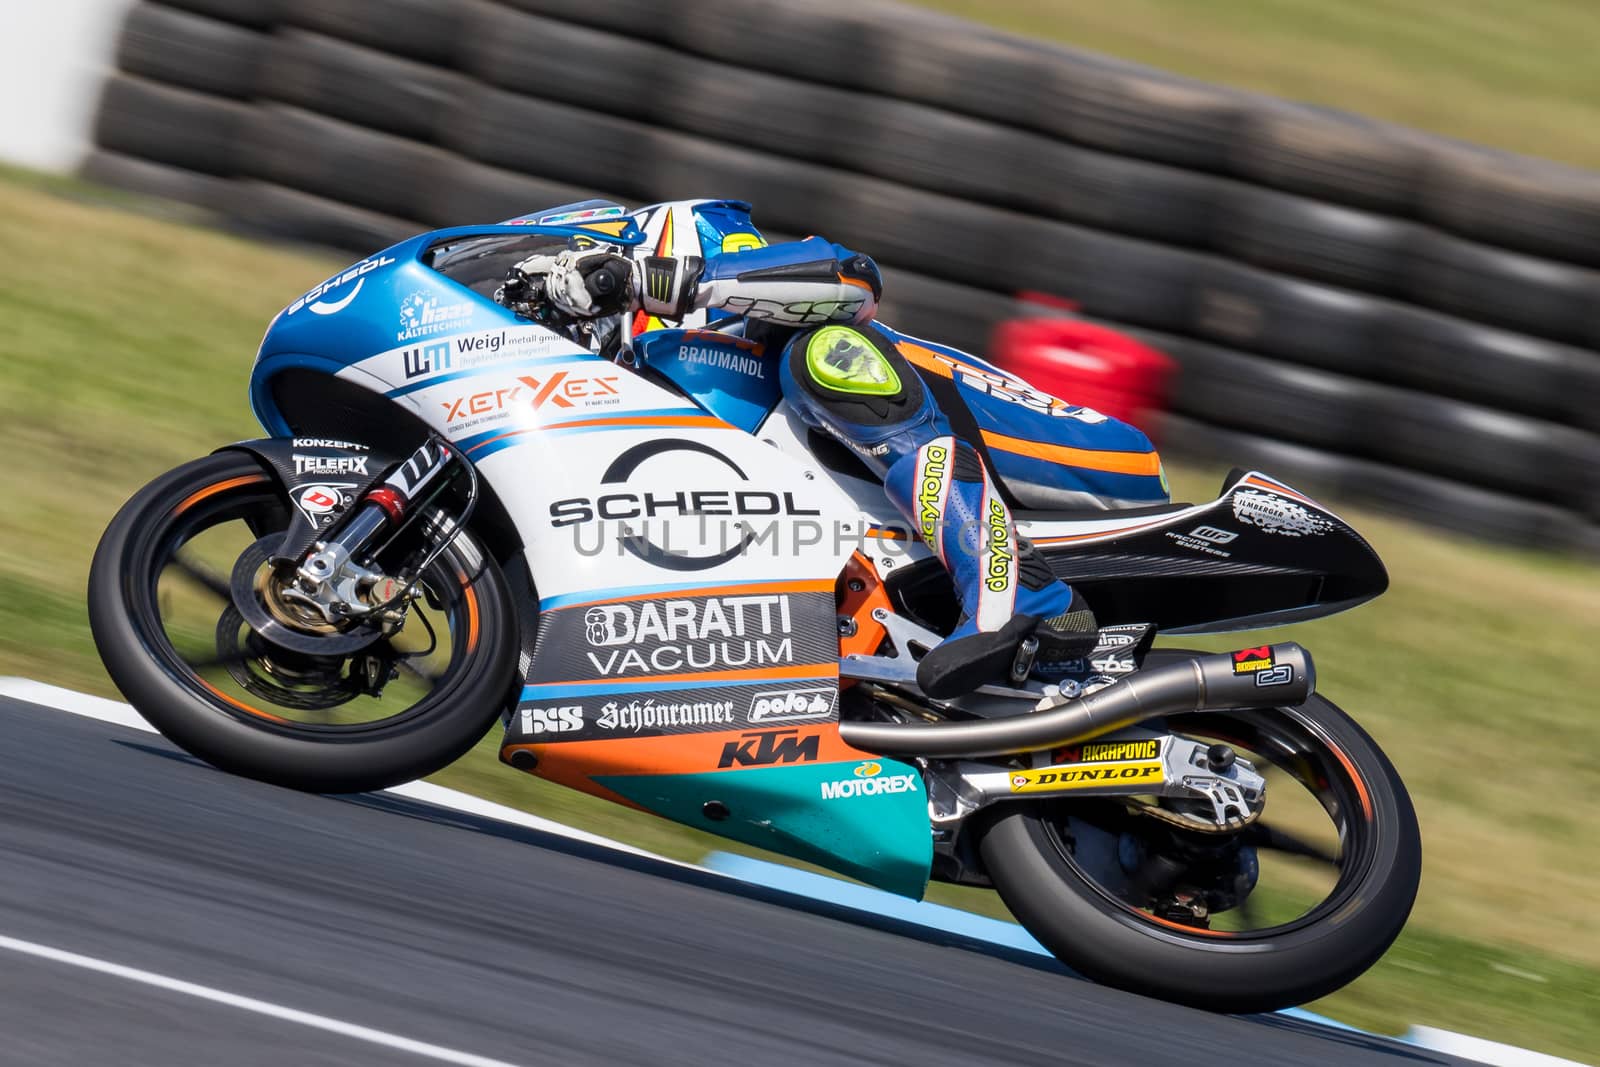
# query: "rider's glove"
{"points": [[667, 285], [584, 283], [587, 283]]}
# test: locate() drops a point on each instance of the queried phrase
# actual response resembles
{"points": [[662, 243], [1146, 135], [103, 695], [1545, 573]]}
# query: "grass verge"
{"points": [[126, 352], [1515, 76]]}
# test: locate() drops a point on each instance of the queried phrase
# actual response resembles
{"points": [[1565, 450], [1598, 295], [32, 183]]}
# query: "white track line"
{"points": [[93, 707], [260, 1007], [99, 708]]}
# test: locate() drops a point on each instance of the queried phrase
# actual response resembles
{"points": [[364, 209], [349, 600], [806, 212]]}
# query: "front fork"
{"points": [[333, 580]]}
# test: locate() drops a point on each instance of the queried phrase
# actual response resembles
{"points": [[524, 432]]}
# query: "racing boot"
{"points": [[1007, 590]]}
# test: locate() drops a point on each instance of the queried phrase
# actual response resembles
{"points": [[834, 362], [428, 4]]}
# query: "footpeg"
{"points": [[1022, 662]]}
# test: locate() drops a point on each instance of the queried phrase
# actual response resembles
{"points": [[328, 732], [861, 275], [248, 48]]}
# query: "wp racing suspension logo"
{"points": [[713, 633]]}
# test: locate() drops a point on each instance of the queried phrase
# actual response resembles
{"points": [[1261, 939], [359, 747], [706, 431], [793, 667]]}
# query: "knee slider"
{"points": [[856, 373]]}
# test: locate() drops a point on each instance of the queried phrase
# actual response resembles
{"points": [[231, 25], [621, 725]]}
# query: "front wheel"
{"points": [[189, 619], [1287, 909]]}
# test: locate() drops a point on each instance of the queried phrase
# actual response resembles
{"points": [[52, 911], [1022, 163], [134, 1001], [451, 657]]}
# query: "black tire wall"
{"points": [[1330, 285]]}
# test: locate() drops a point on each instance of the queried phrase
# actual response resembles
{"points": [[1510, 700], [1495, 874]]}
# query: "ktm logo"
{"points": [[772, 746]]}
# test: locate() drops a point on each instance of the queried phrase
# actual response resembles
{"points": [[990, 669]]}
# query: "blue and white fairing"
{"points": [[613, 480]]}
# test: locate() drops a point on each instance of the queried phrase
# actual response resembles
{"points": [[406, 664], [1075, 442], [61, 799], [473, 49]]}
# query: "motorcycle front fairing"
{"points": [[686, 653]]}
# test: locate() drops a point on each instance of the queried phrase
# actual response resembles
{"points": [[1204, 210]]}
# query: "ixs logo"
{"points": [[813, 703], [330, 465], [639, 715], [1058, 779], [319, 306], [868, 780], [797, 313], [770, 747], [562, 720], [421, 315], [674, 635]]}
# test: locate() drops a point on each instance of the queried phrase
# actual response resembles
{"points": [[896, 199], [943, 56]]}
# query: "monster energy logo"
{"points": [[998, 579], [930, 489]]}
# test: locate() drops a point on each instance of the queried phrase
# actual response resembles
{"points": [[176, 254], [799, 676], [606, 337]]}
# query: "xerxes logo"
{"points": [[769, 747]]}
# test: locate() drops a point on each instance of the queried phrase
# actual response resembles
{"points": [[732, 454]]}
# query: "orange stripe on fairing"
{"points": [[225, 698], [644, 420], [807, 586], [745, 675], [212, 490], [621, 421], [1145, 463], [1065, 538], [888, 533], [670, 753], [1281, 490], [857, 282]]}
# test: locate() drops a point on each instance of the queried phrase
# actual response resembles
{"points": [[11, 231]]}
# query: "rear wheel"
{"points": [[189, 618], [1290, 908]]}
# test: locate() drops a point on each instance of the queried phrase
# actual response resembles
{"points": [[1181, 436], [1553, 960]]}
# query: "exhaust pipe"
{"points": [[1266, 677]]}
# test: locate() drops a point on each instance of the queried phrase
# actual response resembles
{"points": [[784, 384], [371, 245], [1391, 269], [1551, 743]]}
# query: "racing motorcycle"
{"points": [[614, 539]]}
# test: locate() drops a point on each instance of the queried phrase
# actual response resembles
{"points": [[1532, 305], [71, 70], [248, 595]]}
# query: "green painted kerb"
{"points": [[841, 359], [843, 816]]}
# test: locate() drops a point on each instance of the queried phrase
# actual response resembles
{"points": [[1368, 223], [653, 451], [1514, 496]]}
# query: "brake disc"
{"points": [[255, 592]]}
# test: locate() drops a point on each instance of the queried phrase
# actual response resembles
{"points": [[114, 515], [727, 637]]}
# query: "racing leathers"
{"points": [[846, 377]]}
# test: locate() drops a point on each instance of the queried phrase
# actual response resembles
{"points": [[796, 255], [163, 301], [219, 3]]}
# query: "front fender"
{"points": [[321, 478]]}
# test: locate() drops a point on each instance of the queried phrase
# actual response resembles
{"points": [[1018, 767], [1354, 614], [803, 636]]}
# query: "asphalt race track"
{"points": [[491, 942]]}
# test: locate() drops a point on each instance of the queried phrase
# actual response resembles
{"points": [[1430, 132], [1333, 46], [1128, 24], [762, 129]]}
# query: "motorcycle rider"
{"points": [[845, 376]]}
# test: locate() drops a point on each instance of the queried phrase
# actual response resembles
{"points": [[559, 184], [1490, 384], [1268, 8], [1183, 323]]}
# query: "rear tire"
{"points": [[1217, 970], [138, 654]]}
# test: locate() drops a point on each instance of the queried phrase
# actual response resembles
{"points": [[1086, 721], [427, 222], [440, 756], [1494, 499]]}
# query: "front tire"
{"points": [[1033, 867], [246, 735]]}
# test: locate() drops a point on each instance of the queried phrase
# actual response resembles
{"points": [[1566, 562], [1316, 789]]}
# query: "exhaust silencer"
{"points": [[1266, 677]]}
